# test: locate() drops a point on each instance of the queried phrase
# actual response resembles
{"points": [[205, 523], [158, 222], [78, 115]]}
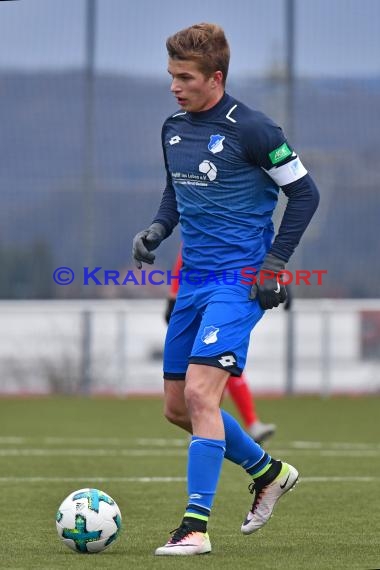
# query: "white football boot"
{"points": [[185, 542], [266, 497]]}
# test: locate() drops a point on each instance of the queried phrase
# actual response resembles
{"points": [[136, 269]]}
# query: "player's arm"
{"points": [[303, 199], [286, 169], [161, 227], [268, 148]]}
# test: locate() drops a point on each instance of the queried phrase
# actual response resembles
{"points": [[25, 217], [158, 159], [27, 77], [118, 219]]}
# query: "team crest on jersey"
{"points": [[216, 143], [210, 335]]}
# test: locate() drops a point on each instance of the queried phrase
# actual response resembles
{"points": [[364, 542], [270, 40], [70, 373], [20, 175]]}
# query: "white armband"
{"points": [[287, 173]]}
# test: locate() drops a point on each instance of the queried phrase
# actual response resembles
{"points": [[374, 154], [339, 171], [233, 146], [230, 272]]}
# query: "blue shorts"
{"points": [[211, 325]]}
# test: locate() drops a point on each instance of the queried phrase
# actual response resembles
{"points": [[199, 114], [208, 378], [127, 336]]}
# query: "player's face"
{"points": [[193, 90]]}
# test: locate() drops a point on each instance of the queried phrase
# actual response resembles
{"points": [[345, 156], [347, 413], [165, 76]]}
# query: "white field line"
{"points": [[146, 452], [114, 441], [12, 440], [44, 452], [325, 452], [92, 479], [348, 479], [332, 445], [143, 441], [89, 480], [174, 442], [16, 446]]}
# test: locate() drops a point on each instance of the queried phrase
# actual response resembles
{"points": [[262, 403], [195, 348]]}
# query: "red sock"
{"points": [[243, 398]]}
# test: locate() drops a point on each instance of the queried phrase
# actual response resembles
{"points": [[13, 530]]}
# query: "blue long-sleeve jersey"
{"points": [[224, 169]]}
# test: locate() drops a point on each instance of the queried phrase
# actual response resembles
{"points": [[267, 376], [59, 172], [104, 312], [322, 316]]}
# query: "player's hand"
{"points": [[268, 289], [170, 302], [146, 241]]}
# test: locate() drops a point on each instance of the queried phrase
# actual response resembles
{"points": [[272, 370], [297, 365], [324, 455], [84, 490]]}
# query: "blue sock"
{"points": [[241, 448], [204, 466]]}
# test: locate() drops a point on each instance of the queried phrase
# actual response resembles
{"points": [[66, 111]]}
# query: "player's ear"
{"points": [[217, 78]]}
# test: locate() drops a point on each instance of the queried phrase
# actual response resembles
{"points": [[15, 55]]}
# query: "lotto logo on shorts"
{"points": [[227, 360]]}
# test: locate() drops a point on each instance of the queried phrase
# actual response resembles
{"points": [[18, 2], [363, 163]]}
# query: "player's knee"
{"points": [[196, 401], [172, 417], [175, 416]]}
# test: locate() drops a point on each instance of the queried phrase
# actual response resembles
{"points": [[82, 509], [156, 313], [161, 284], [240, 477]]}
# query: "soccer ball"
{"points": [[88, 520], [207, 167]]}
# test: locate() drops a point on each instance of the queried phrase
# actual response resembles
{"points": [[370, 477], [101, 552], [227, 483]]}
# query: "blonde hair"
{"points": [[203, 43]]}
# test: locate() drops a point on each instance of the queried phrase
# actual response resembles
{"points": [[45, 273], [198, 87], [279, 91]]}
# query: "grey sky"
{"points": [[334, 37]]}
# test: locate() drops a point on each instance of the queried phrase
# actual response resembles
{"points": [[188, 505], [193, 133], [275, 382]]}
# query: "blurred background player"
{"points": [[237, 386]]}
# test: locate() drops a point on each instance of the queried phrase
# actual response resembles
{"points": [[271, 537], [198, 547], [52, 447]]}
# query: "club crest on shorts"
{"points": [[216, 143], [210, 335]]}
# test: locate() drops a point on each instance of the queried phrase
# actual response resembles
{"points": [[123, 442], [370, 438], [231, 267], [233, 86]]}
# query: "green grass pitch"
{"points": [[51, 447]]}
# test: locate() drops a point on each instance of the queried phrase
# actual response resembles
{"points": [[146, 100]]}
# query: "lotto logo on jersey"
{"points": [[175, 140], [207, 167]]}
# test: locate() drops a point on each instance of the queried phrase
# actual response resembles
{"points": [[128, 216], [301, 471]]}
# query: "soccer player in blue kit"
{"points": [[225, 164]]}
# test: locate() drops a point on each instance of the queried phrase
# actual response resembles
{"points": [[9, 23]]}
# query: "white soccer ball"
{"points": [[88, 520], [207, 167]]}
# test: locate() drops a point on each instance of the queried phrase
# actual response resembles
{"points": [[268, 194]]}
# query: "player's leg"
{"points": [[229, 319], [271, 479], [240, 448], [203, 391], [199, 403], [183, 326], [244, 400], [182, 330], [175, 410]]}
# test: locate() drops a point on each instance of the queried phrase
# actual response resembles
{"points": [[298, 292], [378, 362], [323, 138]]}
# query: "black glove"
{"points": [[169, 309], [144, 242], [267, 288]]}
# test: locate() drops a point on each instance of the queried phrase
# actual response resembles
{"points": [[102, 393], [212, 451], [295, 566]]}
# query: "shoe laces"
{"points": [[180, 533], [255, 489]]}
